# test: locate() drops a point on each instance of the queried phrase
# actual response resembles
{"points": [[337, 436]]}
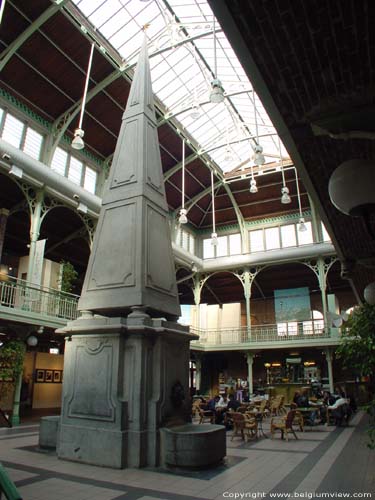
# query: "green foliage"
{"points": [[357, 352], [12, 354], [68, 277], [371, 431], [357, 349]]}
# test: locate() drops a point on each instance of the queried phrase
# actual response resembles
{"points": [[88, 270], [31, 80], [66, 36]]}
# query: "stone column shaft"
{"points": [[250, 361], [330, 369]]}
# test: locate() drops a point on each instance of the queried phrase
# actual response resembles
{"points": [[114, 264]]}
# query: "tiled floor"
{"points": [[323, 460]]}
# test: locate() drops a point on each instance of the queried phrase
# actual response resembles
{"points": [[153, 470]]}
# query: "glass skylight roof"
{"points": [[182, 76]]}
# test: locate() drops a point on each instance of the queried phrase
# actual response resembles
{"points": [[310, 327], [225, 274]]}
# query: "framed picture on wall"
{"points": [[39, 376], [57, 376], [48, 376]]}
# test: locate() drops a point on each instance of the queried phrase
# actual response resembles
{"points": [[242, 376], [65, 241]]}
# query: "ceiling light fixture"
{"points": [[253, 182], [285, 198], [77, 142], [301, 224], [351, 189], [214, 233], [217, 90], [258, 156], [369, 293], [195, 111], [183, 212]]}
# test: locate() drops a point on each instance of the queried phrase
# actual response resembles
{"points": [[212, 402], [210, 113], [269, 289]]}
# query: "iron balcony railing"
{"points": [[281, 332], [19, 294]]}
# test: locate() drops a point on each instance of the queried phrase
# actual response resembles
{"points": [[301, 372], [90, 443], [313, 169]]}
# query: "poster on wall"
{"points": [[292, 304]]}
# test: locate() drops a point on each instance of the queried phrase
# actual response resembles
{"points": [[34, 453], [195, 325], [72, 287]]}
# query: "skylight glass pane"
{"points": [[256, 241], [59, 161], [75, 170], [13, 129], [208, 249], [222, 246], [33, 143], [326, 236], [90, 180], [288, 236], [178, 237], [234, 244], [177, 74], [185, 241], [191, 244], [305, 237], [272, 238]]}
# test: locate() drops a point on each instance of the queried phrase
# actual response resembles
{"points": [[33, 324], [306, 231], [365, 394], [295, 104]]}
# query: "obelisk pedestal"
{"points": [[119, 377]]}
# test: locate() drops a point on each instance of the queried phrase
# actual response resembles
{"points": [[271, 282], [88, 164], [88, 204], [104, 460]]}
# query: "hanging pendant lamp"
{"points": [[77, 142], [214, 233], [183, 212], [258, 156], [285, 198], [217, 90], [253, 182], [301, 224]]}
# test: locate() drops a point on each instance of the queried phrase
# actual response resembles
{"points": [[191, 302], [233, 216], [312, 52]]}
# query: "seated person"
{"points": [[340, 410], [211, 405], [328, 399], [302, 401], [233, 403], [296, 398]]}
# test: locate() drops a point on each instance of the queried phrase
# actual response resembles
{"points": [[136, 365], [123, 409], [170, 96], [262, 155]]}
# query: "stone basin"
{"points": [[193, 445], [49, 431]]}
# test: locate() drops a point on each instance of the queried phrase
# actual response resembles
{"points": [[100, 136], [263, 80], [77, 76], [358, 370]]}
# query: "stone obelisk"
{"points": [[126, 364]]}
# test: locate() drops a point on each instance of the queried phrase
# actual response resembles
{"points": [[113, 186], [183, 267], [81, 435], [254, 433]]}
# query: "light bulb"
{"points": [[214, 239], [183, 219], [302, 226], [217, 92], [285, 198], [77, 142], [253, 186]]}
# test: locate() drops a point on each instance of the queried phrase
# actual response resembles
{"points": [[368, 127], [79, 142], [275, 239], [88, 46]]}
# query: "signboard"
{"points": [[292, 304], [36, 276]]}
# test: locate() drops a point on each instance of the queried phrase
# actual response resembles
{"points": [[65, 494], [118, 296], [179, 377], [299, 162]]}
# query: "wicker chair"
{"points": [[284, 424], [298, 420], [245, 426], [206, 415]]}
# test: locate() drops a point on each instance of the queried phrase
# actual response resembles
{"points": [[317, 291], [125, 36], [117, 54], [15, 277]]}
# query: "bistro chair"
{"points": [[245, 426], [298, 420], [205, 415], [284, 424]]}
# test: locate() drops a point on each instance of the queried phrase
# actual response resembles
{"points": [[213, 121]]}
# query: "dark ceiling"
{"points": [[313, 64], [47, 73]]}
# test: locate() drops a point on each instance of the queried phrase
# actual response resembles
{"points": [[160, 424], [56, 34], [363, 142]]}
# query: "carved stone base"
{"points": [[119, 376]]}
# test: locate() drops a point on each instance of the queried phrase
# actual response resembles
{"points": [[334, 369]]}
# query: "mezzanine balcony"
{"points": [[282, 335], [20, 301]]}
